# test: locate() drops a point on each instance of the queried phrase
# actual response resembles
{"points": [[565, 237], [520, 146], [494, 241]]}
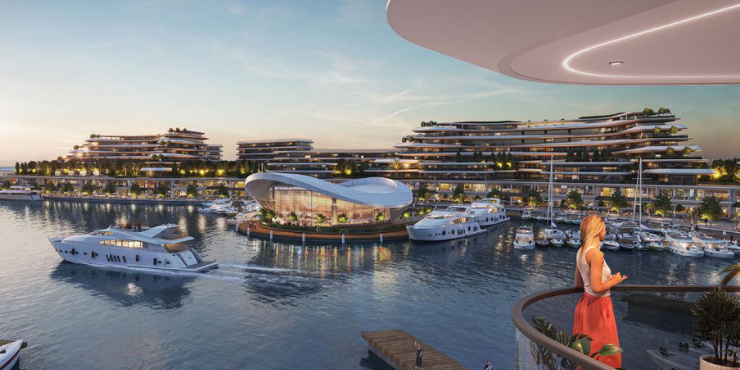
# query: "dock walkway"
{"points": [[396, 348]]}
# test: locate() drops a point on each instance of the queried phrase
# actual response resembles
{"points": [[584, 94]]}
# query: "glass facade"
{"points": [[307, 205]]}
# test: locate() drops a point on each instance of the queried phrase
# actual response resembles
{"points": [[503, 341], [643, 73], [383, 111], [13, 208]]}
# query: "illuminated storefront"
{"points": [[308, 201]]}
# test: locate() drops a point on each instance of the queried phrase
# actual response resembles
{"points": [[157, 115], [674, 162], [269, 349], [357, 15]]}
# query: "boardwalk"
{"points": [[396, 347], [256, 228]]}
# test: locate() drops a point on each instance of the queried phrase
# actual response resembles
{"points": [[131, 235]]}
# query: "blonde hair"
{"points": [[591, 228]]}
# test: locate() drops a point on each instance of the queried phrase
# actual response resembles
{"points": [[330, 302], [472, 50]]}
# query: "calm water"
{"points": [[277, 306]]}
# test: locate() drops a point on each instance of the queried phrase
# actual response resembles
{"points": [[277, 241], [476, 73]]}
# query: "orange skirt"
{"points": [[595, 317]]}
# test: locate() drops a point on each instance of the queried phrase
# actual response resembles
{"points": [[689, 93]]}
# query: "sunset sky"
{"points": [[329, 70]]}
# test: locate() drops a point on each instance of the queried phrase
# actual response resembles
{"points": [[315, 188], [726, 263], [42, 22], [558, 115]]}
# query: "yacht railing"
{"points": [[529, 334]]}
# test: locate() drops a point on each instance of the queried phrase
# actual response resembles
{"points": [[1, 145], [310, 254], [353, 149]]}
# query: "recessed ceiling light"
{"points": [[616, 63]]}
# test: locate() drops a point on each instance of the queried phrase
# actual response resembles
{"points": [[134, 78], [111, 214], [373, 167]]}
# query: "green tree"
{"points": [[162, 189], [458, 195], [422, 193], [458, 157], [222, 191], [495, 193], [320, 219], [380, 217], [648, 112], [49, 187], [191, 191], [292, 217], [342, 218], [662, 204], [670, 151], [532, 198], [617, 201], [88, 188], [6, 184], [574, 200], [110, 188], [663, 110], [710, 209], [135, 189]]}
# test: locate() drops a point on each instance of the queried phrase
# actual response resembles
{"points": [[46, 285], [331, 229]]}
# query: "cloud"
{"points": [[235, 8]]}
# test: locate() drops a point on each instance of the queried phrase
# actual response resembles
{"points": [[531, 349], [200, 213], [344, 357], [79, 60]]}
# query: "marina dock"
{"points": [[396, 348]]}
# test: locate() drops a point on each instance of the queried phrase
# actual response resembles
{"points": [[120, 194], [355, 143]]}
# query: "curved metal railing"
{"points": [[575, 357]]}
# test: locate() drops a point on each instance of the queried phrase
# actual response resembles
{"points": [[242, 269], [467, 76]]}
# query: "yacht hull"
{"points": [[686, 253], [10, 354], [111, 256], [445, 233], [524, 246], [21, 198]]}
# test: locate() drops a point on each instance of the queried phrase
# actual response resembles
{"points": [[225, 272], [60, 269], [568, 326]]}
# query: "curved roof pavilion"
{"points": [[372, 191]]}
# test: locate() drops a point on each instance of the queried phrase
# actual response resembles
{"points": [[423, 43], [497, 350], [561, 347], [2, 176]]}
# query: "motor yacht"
{"points": [[542, 217], [714, 248], [241, 217], [627, 233], [489, 211], [555, 237], [574, 238], [444, 225], [21, 193], [219, 201], [681, 244], [573, 219], [524, 239], [527, 215], [10, 353], [610, 239], [160, 248], [220, 209]]}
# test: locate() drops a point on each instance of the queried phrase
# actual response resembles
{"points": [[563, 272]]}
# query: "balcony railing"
{"points": [[528, 334]]}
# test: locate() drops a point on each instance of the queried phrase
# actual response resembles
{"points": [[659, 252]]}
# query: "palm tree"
{"points": [[396, 165], [732, 271]]}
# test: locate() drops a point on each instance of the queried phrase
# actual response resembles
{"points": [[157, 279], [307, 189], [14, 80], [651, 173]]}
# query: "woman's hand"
{"points": [[618, 278]]}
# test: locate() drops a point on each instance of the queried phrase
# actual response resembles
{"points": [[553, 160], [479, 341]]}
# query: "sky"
{"points": [[329, 70]]}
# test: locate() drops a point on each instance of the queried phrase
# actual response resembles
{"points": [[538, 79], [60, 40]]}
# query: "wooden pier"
{"points": [[396, 348]]}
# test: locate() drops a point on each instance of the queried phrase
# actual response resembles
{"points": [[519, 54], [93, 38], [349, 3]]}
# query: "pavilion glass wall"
{"points": [[308, 204]]}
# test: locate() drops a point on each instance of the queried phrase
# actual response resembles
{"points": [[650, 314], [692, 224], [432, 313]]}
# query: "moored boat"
{"points": [[20, 193], [159, 248], [444, 225], [524, 239], [10, 352]]}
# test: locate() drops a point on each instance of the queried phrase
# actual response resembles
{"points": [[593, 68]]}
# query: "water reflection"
{"points": [[126, 288]]}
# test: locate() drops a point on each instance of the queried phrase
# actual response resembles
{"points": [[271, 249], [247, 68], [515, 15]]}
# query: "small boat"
{"points": [[656, 246], [641, 246], [714, 248], [10, 353], [542, 242], [524, 239], [527, 215], [627, 246], [574, 238], [733, 247], [572, 219], [218, 202], [541, 217], [679, 243], [560, 218], [610, 245], [677, 358], [241, 217], [555, 237]]}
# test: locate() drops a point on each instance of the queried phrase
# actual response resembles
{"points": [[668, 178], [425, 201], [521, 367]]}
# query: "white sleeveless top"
{"points": [[585, 269]]}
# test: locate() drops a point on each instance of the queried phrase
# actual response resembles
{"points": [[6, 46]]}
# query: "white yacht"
{"points": [[555, 237], [20, 193], [573, 219], [489, 211], [220, 209], [574, 238], [527, 215], [524, 239], [444, 225], [714, 248], [219, 201], [161, 247], [627, 233], [241, 217], [542, 217], [680, 243], [10, 353], [561, 217]]}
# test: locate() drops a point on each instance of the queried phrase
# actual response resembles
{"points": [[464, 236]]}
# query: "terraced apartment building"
{"points": [[175, 145], [595, 155]]}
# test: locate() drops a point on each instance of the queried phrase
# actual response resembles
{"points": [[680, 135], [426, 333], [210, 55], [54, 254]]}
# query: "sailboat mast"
{"points": [[639, 180]]}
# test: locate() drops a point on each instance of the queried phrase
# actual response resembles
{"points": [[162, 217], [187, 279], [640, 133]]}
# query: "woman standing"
{"points": [[594, 314]]}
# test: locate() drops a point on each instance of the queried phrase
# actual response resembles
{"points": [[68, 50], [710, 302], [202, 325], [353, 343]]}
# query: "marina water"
{"points": [[282, 306]]}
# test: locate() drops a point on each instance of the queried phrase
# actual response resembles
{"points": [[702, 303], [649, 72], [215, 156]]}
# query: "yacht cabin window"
{"points": [[123, 243]]}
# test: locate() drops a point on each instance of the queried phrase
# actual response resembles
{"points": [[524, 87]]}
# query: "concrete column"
{"points": [[333, 211]]}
